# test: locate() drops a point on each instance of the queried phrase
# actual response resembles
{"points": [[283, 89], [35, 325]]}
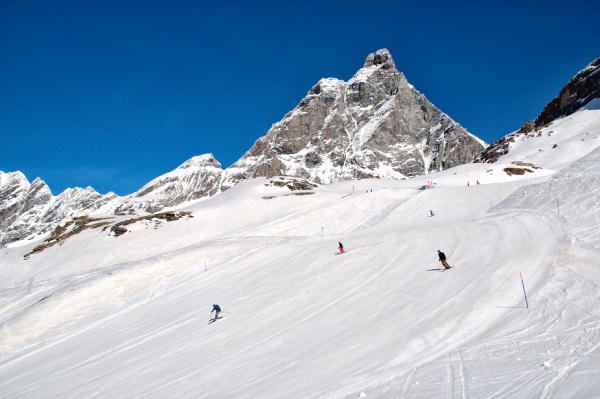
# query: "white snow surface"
{"points": [[127, 317]]}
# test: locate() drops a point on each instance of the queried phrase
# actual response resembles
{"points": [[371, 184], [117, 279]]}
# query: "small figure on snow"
{"points": [[442, 257], [431, 213], [341, 247], [217, 309]]}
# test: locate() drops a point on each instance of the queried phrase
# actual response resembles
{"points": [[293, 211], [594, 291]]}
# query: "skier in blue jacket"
{"points": [[217, 309]]}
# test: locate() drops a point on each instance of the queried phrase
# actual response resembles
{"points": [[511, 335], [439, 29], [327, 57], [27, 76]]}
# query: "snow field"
{"points": [[127, 317], [287, 289]]}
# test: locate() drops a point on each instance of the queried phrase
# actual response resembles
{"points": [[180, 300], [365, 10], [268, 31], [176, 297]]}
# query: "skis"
{"points": [[214, 319]]}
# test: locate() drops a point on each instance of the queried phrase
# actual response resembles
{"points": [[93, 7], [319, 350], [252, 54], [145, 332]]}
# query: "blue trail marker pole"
{"points": [[523, 284]]}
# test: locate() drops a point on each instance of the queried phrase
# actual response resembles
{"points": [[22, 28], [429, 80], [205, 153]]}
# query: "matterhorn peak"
{"points": [[381, 58], [376, 125]]}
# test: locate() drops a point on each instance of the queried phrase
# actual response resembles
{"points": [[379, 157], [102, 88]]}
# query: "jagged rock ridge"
{"points": [[28, 210], [579, 91]]}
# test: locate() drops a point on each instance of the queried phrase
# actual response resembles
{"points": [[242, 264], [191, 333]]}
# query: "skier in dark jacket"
{"points": [[341, 248], [442, 257], [217, 309]]}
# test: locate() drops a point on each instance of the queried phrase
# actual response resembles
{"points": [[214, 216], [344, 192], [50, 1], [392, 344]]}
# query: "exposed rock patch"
{"points": [[79, 224]]}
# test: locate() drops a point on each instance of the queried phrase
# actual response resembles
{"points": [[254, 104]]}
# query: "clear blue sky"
{"points": [[112, 94]]}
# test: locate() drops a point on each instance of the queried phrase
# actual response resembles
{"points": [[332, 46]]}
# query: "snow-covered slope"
{"points": [[127, 316]]}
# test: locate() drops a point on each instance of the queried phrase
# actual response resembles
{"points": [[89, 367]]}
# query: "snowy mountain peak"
{"points": [[196, 178], [374, 125], [201, 161], [29, 210]]}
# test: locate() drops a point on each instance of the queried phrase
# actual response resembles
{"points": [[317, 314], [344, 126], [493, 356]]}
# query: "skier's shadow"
{"points": [[434, 270]]}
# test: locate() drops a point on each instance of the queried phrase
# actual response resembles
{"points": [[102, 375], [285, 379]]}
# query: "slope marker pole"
{"points": [[523, 284]]}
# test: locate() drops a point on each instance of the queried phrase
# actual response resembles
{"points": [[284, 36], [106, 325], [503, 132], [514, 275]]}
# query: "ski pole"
{"points": [[523, 284]]}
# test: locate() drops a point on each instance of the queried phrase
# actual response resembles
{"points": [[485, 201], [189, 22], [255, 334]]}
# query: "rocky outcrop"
{"points": [[583, 88], [578, 92], [374, 125]]}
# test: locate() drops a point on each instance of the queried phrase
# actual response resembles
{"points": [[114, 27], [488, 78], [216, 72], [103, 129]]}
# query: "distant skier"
{"points": [[442, 257], [431, 212], [341, 248], [217, 309]]}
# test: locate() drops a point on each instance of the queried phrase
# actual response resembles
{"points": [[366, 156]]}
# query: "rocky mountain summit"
{"points": [[374, 125], [577, 93]]}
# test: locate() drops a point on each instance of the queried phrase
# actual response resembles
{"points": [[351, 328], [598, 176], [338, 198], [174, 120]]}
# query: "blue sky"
{"points": [[113, 94]]}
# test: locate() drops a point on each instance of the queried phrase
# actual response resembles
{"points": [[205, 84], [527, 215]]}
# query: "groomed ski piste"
{"points": [[127, 317]]}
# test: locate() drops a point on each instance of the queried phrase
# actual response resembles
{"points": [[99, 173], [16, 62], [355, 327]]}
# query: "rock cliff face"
{"points": [[578, 92], [374, 125]]}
